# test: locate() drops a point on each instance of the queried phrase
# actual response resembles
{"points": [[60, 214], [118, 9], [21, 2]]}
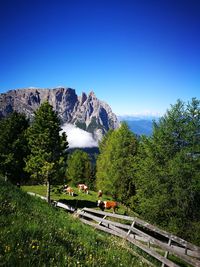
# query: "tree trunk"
{"points": [[48, 192]]}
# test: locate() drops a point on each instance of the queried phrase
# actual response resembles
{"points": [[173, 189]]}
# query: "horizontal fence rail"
{"points": [[55, 203], [147, 237], [143, 235]]}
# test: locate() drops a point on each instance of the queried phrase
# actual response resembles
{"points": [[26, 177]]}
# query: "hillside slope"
{"points": [[35, 234]]}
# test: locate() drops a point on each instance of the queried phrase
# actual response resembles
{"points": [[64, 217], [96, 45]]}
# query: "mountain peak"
{"points": [[92, 94], [86, 112]]}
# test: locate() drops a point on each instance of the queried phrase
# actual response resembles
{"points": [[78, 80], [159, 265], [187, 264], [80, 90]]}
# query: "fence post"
{"points": [[167, 252], [102, 219], [129, 231], [186, 250]]}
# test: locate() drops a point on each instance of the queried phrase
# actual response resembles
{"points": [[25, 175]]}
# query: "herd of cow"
{"points": [[100, 203]]}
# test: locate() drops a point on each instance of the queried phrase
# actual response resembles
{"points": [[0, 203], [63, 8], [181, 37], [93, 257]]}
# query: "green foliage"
{"points": [[168, 173], [35, 234], [79, 168], [48, 149], [115, 164], [13, 147]]}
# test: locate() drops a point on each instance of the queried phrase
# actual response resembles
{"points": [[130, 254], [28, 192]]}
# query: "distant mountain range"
{"points": [[86, 112], [140, 125]]}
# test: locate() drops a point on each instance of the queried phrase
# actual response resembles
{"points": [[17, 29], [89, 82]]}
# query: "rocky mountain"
{"points": [[86, 111]]}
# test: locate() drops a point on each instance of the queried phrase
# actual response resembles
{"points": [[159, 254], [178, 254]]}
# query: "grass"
{"points": [[78, 201], [81, 200], [32, 233]]}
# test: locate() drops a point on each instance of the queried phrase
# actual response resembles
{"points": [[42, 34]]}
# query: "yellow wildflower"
{"points": [[7, 248]]}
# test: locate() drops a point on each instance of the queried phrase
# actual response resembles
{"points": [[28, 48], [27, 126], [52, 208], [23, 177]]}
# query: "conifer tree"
{"points": [[115, 164], [79, 168], [168, 174], [13, 147], [48, 148]]}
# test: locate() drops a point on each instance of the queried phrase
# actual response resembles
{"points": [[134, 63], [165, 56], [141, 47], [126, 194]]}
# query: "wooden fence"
{"points": [[147, 237], [55, 203], [143, 235]]}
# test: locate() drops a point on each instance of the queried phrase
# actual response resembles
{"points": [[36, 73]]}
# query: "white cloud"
{"points": [[77, 137]]}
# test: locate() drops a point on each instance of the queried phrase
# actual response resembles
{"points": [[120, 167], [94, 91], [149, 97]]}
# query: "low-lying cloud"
{"points": [[77, 137]]}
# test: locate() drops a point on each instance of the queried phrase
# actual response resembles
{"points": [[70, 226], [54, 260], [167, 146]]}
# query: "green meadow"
{"points": [[78, 201], [33, 233]]}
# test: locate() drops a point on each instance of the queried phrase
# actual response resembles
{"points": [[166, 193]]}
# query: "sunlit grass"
{"points": [[79, 200], [32, 233]]}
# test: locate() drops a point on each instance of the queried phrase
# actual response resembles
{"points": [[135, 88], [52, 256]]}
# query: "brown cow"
{"points": [[100, 193], [69, 190], [107, 205], [83, 187]]}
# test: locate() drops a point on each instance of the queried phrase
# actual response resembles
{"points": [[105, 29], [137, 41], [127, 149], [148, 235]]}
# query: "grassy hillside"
{"points": [[35, 234], [79, 200]]}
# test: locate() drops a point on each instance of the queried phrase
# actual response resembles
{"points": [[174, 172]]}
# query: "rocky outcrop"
{"points": [[86, 111]]}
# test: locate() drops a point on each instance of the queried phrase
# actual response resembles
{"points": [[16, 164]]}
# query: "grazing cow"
{"points": [[69, 190], [107, 205], [100, 193], [83, 187], [65, 187]]}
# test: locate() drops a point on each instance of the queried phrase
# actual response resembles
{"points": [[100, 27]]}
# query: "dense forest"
{"points": [[157, 176]]}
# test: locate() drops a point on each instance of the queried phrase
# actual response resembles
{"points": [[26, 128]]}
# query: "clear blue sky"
{"points": [[137, 55]]}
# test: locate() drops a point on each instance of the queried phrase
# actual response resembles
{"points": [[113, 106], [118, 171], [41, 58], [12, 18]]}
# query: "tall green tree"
{"points": [[115, 164], [79, 168], [168, 173], [13, 147], [48, 148]]}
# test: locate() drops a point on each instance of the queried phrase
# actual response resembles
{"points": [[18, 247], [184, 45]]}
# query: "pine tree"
{"points": [[79, 168], [48, 148], [168, 174], [115, 164], [13, 147]]}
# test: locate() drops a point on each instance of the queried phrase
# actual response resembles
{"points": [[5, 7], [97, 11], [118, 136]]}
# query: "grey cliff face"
{"points": [[86, 112]]}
